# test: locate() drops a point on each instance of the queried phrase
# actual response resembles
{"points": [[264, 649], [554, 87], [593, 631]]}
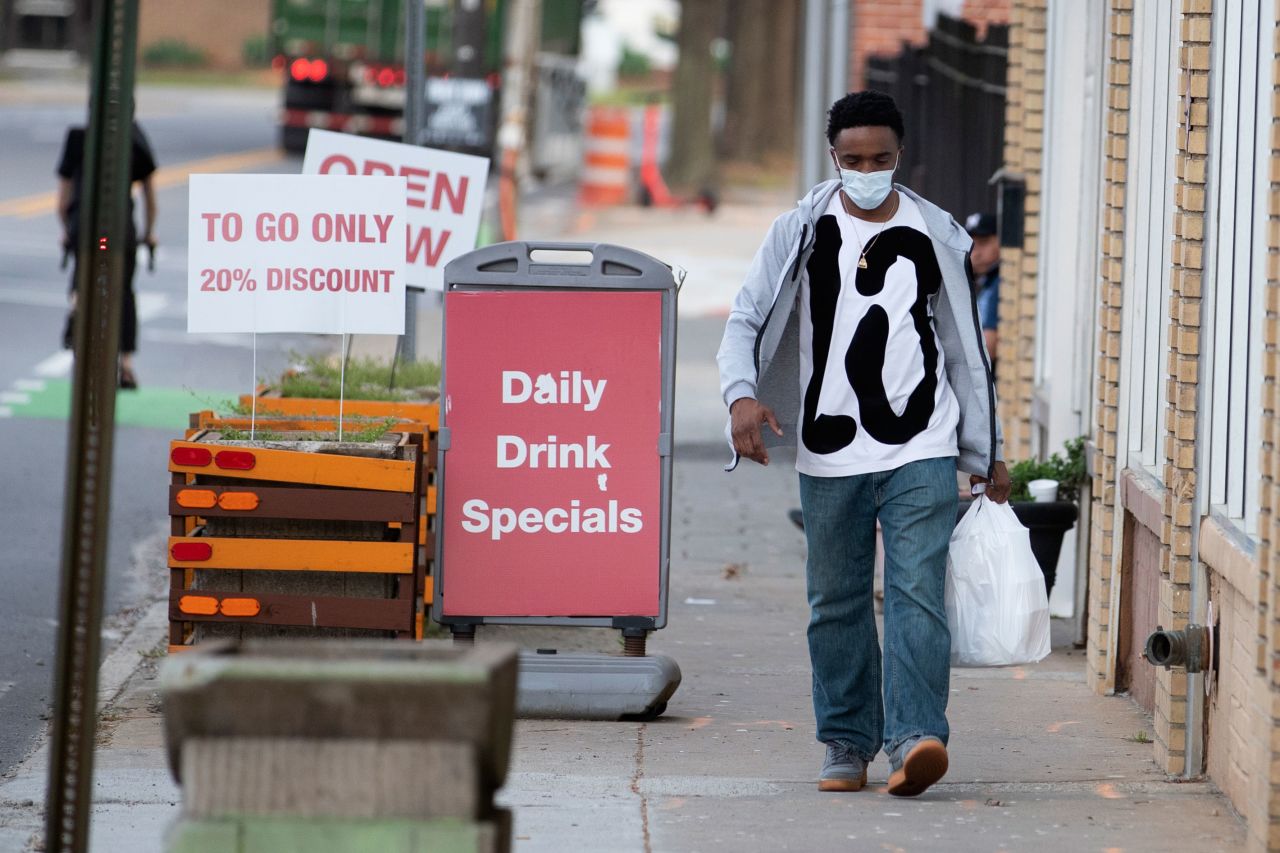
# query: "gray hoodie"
{"points": [[760, 354]]}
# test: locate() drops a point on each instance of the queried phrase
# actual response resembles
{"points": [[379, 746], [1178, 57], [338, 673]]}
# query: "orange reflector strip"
{"points": [[198, 605], [241, 607], [197, 498], [245, 501]]}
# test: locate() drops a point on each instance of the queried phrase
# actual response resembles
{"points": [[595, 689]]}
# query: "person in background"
{"points": [[142, 167], [985, 259]]}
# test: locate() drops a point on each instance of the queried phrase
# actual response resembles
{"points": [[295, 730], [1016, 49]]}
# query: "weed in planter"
{"points": [[366, 379]]}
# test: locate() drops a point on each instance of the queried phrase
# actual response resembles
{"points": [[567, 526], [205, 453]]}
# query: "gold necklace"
{"points": [[862, 255]]}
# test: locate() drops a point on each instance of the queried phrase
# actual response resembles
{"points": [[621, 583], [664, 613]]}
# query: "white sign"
{"points": [[294, 253], [445, 194]]}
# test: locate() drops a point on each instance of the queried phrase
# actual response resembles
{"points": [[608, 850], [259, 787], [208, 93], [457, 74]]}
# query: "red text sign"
{"points": [[552, 498], [444, 194]]}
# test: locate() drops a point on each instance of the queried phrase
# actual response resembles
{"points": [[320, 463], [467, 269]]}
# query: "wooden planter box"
{"points": [[296, 537]]}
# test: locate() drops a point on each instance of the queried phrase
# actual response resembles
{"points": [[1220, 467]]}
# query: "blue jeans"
{"points": [[916, 506]]}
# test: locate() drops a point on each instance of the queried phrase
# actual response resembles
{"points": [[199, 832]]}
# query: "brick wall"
{"points": [[1102, 542], [218, 28], [983, 13], [1267, 791], [1024, 148]]}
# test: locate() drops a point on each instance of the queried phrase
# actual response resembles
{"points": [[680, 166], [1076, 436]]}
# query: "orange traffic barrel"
{"points": [[606, 172]]}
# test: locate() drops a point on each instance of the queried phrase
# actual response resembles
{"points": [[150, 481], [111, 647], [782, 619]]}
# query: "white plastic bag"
{"points": [[997, 607]]}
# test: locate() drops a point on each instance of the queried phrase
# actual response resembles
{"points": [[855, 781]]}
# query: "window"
{"points": [[1148, 228], [1236, 254]]}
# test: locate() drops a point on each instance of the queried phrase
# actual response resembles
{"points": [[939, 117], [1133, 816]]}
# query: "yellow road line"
{"points": [[26, 207]]}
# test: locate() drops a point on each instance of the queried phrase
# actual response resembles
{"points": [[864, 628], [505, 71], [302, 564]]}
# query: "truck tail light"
{"points": [[241, 607], [235, 460], [196, 457], [197, 499], [386, 77], [191, 552], [300, 69], [319, 70], [243, 501], [198, 605]]}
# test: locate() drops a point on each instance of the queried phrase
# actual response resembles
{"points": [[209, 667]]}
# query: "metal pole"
{"points": [[415, 87], [468, 38], [524, 29], [812, 107], [838, 51], [99, 286]]}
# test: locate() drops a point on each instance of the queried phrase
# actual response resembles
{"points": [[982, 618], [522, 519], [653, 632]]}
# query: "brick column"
{"points": [[1024, 147], [1266, 800], [1183, 374], [1101, 669]]}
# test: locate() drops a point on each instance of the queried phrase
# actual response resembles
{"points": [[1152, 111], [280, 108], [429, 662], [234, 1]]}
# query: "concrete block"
{"points": [[293, 835], [305, 777]]}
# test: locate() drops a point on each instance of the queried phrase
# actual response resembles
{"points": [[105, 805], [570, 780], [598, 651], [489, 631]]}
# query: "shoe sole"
{"points": [[845, 785], [924, 765]]}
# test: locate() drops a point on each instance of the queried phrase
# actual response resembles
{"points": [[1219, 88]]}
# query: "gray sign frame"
{"points": [[511, 266]]}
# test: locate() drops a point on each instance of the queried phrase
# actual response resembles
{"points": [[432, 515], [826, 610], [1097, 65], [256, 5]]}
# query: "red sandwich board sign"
{"points": [[555, 438]]}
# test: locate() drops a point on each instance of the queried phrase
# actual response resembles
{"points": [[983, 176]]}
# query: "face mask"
{"points": [[868, 190]]}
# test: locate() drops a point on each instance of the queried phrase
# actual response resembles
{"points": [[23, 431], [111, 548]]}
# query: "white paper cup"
{"points": [[1043, 491]]}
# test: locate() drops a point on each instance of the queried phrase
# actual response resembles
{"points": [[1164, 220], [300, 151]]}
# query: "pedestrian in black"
{"points": [[142, 168]]}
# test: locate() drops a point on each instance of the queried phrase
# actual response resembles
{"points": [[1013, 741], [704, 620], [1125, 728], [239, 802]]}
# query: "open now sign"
{"points": [[553, 485], [444, 194]]}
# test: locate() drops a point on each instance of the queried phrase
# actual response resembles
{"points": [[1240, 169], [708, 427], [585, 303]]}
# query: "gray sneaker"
{"points": [[915, 765], [842, 770]]}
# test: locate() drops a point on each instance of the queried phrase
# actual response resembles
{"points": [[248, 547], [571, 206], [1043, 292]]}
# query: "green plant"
{"points": [[365, 379], [1070, 472], [1140, 737], [173, 53]]}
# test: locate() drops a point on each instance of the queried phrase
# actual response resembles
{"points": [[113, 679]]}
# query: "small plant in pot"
{"points": [[1048, 520]]}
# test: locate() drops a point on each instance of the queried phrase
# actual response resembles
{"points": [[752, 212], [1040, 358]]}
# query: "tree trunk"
{"points": [[692, 165], [762, 86]]}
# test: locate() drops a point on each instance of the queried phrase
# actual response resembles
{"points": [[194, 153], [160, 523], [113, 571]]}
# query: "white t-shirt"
{"points": [[882, 398]]}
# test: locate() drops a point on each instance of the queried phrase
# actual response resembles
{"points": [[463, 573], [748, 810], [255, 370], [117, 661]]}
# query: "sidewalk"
{"points": [[1038, 762]]}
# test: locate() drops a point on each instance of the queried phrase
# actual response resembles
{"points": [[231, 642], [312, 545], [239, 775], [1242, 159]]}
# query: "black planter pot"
{"points": [[1047, 523]]}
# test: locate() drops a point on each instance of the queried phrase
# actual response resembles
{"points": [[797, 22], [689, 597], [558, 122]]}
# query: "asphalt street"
{"points": [[190, 129]]}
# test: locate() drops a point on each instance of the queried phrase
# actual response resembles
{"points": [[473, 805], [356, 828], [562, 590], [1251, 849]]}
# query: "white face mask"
{"points": [[868, 190]]}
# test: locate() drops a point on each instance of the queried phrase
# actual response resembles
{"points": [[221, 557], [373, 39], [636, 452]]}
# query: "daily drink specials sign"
{"points": [[289, 253], [552, 499], [444, 194]]}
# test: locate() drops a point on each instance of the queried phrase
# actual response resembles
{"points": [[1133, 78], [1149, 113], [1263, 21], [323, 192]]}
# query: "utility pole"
{"points": [[104, 212], [524, 30], [468, 38], [415, 95]]}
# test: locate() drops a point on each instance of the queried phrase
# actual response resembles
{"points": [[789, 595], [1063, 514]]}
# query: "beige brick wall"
{"points": [[1103, 609], [1024, 148], [219, 28]]}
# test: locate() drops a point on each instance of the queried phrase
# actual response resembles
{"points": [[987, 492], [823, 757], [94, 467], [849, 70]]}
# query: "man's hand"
{"points": [[998, 486], [746, 415]]}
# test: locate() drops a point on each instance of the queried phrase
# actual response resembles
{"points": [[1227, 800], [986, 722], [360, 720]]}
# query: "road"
{"points": [[190, 129]]}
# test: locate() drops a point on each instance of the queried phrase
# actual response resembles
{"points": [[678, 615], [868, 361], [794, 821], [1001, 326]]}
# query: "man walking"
{"points": [[856, 332]]}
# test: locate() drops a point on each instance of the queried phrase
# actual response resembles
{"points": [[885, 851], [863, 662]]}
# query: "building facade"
{"points": [[1145, 134]]}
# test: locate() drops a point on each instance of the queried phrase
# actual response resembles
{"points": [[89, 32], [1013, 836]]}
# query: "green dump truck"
{"points": [[343, 60]]}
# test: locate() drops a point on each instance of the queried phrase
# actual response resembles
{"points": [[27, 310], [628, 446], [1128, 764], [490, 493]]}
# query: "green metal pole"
{"points": [[99, 287]]}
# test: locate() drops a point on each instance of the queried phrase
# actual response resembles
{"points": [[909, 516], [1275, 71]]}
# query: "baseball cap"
{"points": [[981, 224]]}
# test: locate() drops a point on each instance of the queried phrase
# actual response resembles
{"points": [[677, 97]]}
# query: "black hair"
{"points": [[864, 109]]}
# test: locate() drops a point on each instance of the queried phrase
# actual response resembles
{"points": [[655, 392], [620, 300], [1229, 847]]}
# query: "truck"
{"points": [[343, 68]]}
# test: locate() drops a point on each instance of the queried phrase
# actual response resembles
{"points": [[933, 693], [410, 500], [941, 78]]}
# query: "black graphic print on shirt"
{"points": [[864, 360]]}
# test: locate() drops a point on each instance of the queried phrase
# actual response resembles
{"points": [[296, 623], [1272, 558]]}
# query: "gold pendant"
{"points": [[862, 263]]}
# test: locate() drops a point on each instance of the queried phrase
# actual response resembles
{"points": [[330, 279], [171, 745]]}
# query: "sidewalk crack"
{"points": [[635, 787]]}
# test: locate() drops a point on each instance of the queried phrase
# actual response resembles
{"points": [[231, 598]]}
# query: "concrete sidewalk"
{"points": [[1038, 761]]}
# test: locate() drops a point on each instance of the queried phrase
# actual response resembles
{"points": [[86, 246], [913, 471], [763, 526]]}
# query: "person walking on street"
{"points": [[142, 167], [855, 337], [985, 259]]}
